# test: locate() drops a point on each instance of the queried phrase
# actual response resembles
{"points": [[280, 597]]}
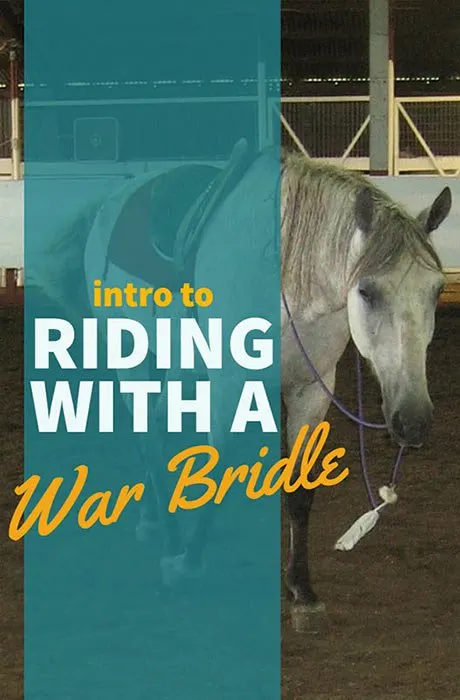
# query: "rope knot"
{"points": [[388, 494]]}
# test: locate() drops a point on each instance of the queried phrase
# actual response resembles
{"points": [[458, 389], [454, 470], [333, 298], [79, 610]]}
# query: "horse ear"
{"points": [[432, 217], [364, 210]]}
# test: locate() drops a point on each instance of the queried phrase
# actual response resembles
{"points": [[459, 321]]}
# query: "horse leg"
{"points": [[194, 555], [154, 512], [148, 512], [190, 564], [179, 563], [148, 523], [307, 404]]}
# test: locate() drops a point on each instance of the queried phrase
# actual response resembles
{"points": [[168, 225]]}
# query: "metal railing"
{"points": [[335, 129], [427, 135], [425, 132]]}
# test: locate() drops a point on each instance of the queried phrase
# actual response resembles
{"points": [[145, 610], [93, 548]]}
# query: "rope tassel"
{"points": [[366, 522]]}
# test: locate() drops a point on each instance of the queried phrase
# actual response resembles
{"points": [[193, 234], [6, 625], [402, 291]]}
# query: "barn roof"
{"points": [[330, 37], [11, 30], [325, 42]]}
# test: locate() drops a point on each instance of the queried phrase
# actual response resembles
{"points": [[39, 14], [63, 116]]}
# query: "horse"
{"points": [[354, 265]]}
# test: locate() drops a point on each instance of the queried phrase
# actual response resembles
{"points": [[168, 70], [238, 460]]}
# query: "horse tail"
{"points": [[59, 272]]}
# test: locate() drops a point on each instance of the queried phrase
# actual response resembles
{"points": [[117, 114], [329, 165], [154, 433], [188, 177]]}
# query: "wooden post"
{"points": [[381, 89], [15, 130]]}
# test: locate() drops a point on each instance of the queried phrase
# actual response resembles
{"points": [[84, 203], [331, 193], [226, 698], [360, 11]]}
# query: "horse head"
{"points": [[391, 305]]}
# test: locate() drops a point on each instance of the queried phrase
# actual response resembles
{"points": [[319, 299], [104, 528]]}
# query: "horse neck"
{"points": [[325, 292], [318, 302], [322, 253]]}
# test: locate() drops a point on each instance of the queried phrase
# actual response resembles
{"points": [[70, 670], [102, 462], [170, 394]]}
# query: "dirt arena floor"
{"points": [[393, 603]]}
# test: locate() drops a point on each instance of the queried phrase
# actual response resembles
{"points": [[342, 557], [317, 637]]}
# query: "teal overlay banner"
{"points": [[150, 510]]}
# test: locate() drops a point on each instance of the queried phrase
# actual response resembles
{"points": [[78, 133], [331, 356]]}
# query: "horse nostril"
{"points": [[412, 431], [397, 424], [422, 427], [416, 434]]}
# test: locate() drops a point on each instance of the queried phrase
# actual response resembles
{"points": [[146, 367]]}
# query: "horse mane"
{"points": [[318, 223]]}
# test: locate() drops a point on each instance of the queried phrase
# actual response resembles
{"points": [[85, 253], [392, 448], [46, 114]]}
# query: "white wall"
{"points": [[11, 223], [416, 192]]}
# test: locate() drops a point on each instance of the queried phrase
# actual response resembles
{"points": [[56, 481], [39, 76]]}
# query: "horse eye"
{"points": [[439, 291], [365, 294]]}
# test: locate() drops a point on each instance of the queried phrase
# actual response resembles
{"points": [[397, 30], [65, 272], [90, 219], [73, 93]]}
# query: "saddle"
{"points": [[157, 233]]}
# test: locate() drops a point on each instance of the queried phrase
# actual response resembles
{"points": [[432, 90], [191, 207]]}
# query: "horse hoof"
{"points": [[309, 618], [175, 570], [145, 530]]}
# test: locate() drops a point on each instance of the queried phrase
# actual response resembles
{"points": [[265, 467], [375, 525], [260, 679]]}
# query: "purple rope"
{"points": [[336, 402], [396, 468], [359, 419], [362, 446]]}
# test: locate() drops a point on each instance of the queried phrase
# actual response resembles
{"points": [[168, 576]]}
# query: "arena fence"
{"points": [[335, 129], [426, 135], [423, 132]]}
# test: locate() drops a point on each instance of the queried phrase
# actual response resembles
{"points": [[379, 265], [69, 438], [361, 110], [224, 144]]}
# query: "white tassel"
{"points": [[366, 522]]}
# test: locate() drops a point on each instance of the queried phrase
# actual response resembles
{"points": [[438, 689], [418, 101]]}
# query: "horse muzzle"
{"points": [[409, 428]]}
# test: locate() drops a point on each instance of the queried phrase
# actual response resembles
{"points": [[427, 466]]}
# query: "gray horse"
{"points": [[354, 263]]}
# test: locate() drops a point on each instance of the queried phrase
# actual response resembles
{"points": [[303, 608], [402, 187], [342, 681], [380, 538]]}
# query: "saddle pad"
{"points": [[126, 229], [173, 194], [144, 232], [160, 220]]}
